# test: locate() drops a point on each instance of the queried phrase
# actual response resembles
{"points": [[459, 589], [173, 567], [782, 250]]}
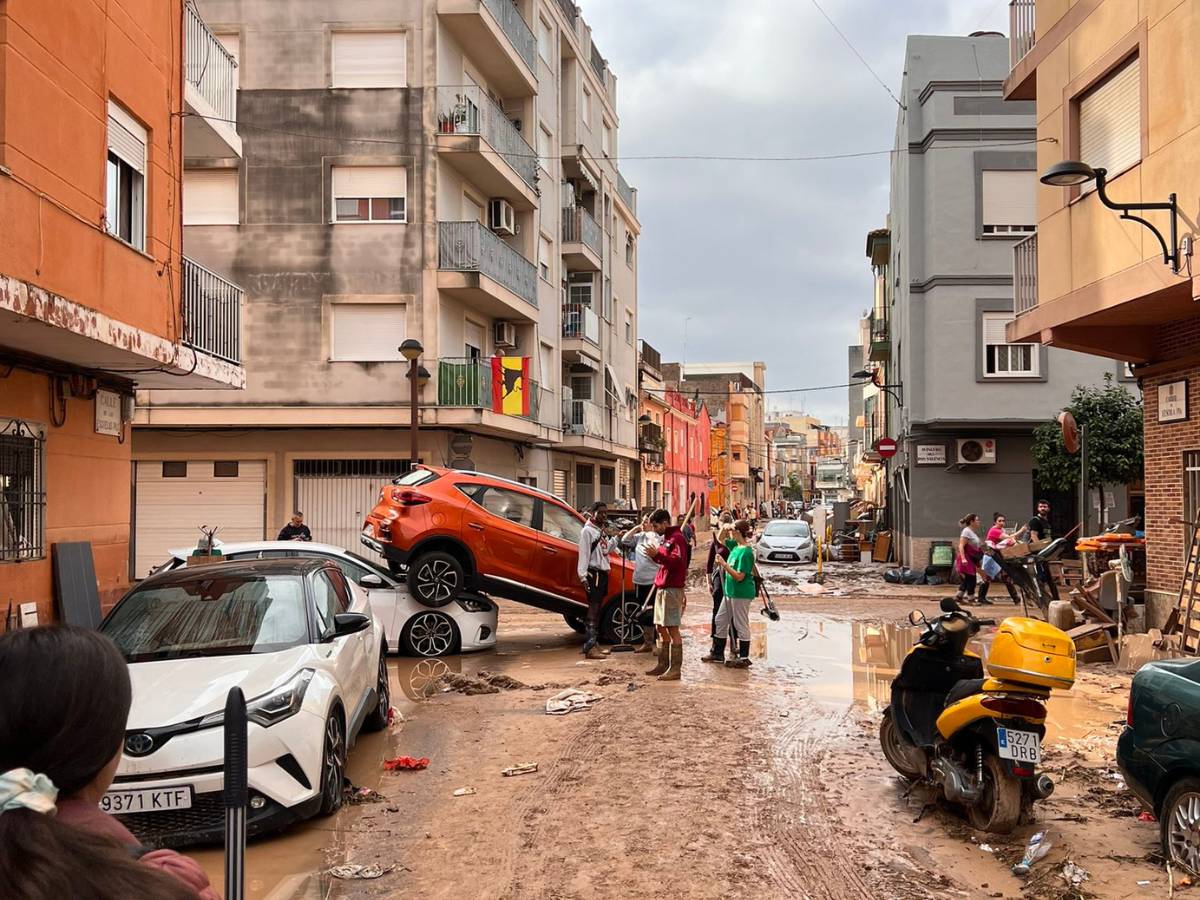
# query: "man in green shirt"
{"points": [[740, 591]]}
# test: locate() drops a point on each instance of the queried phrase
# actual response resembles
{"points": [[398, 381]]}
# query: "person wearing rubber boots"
{"points": [[740, 591], [645, 570], [593, 570], [669, 598]]}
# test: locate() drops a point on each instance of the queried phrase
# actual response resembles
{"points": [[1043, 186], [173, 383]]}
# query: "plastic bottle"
{"points": [[1038, 846]]}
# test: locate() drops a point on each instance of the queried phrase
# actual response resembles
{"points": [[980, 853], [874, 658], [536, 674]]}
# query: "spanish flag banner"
{"points": [[510, 385]]}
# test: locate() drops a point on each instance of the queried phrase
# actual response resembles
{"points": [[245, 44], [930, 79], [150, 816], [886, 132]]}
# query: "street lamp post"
{"points": [[417, 377]]}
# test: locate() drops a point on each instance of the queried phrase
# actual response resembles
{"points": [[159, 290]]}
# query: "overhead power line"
{"points": [[861, 59]]}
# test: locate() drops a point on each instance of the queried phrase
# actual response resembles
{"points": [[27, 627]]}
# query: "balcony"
{"points": [[570, 10], [467, 384], [881, 339], [212, 309], [582, 240], [580, 322], [1025, 293], [210, 93], [627, 194], [476, 266], [476, 138], [497, 40], [649, 360], [1021, 83], [599, 65], [585, 418]]}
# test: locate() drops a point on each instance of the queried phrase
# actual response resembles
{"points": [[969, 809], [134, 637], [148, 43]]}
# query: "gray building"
{"points": [[963, 190]]}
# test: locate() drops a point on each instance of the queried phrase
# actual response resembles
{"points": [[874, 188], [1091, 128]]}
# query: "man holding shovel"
{"points": [[670, 601]]}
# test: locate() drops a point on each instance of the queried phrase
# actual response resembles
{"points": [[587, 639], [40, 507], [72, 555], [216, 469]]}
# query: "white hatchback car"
{"points": [[301, 643], [467, 624], [786, 540]]}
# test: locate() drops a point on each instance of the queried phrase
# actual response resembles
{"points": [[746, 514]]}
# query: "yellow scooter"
{"points": [[978, 739]]}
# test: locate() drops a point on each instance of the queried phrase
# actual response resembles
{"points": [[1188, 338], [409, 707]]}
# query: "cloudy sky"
{"points": [[765, 259]]}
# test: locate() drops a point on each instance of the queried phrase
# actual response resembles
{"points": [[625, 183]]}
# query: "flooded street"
{"points": [[766, 783]]}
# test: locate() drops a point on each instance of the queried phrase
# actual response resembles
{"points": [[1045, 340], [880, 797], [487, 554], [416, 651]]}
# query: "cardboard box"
{"points": [[196, 560], [1016, 550]]}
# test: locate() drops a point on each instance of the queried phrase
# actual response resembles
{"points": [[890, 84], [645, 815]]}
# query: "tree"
{"points": [[1113, 417]]}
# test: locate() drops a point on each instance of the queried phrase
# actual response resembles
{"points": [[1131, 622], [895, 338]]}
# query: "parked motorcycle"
{"points": [[978, 739]]}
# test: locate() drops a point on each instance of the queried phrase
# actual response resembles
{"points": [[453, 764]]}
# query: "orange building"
{"points": [[96, 298]]}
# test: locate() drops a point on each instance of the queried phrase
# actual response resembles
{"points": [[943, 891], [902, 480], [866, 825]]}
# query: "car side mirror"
{"points": [[350, 623], [371, 580], [916, 617]]}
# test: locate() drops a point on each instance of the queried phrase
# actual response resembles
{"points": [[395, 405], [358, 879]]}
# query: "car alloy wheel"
{"points": [[1182, 825], [622, 625], [430, 634], [378, 719], [333, 765], [436, 581]]}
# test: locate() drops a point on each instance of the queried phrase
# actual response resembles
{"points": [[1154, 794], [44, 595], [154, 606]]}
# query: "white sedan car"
{"points": [[467, 624], [301, 643], [786, 540]]}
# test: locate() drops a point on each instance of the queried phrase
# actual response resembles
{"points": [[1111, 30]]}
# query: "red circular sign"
{"points": [[886, 447]]}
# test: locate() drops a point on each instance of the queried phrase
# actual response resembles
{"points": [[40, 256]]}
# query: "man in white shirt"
{"points": [[593, 574]]}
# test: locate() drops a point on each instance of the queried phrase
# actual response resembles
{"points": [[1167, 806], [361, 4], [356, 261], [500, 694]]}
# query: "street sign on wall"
{"points": [[886, 447]]}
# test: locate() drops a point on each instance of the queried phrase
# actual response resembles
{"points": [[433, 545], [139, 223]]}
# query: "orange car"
{"points": [[457, 531]]}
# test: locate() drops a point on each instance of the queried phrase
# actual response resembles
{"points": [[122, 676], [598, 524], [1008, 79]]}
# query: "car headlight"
{"points": [[273, 707], [470, 604], [763, 545]]}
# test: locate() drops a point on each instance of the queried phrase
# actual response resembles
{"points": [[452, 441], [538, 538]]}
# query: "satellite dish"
{"points": [[1070, 431]]}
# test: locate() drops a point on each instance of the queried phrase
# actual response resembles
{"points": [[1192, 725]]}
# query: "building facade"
{"points": [[688, 444], [96, 298], [962, 192], [653, 412], [417, 170], [1112, 85]]}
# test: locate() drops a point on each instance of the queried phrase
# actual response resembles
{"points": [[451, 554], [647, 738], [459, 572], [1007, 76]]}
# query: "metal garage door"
{"points": [[174, 498], [335, 495]]}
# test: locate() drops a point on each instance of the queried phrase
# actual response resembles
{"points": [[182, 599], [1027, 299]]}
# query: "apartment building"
{"points": [[653, 416], [963, 190], [438, 171], [686, 434], [96, 299], [1112, 85]]}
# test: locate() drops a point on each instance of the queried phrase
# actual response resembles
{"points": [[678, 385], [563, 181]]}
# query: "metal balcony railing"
{"points": [[469, 247], [580, 227], [649, 356], [466, 383], [599, 65], [515, 28], [1025, 280], [585, 417], [570, 10], [211, 313], [210, 67], [581, 321], [628, 194], [1022, 35], [467, 109]]}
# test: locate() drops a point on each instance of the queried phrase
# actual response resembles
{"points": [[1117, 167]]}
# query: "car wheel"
{"points": [[619, 623], [578, 623], [377, 719], [435, 578], [430, 634], [1180, 824], [333, 764]]}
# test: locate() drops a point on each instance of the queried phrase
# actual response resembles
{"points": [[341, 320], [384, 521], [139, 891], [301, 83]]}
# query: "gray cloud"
{"points": [[767, 258]]}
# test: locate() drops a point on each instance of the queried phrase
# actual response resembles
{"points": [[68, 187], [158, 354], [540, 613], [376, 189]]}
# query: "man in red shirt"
{"points": [[669, 600]]}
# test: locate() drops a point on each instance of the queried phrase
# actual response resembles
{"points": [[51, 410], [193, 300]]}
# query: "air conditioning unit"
{"points": [[504, 335], [976, 451], [502, 218]]}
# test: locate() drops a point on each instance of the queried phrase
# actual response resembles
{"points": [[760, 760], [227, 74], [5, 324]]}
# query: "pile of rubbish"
{"points": [[905, 575]]}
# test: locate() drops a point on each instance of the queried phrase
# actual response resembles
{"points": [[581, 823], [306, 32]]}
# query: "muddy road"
{"points": [[730, 784]]}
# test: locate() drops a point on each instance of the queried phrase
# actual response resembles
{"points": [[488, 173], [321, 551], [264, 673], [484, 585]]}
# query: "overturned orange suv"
{"points": [[457, 531]]}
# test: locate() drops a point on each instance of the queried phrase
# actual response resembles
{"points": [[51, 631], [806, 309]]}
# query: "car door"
{"points": [[349, 657], [498, 527], [558, 551], [382, 599]]}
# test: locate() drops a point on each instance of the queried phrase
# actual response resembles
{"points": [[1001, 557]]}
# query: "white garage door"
{"points": [[335, 495], [174, 498]]}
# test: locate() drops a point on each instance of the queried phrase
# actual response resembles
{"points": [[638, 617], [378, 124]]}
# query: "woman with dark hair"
{"points": [[967, 559], [63, 709]]}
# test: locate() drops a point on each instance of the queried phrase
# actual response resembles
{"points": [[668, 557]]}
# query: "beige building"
{"points": [[434, 170]]}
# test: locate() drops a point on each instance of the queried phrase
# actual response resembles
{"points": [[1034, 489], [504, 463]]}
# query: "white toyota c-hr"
{"points": [[301, 643]]}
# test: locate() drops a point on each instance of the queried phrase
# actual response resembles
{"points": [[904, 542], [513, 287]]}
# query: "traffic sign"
{"points": [[886, 447]]}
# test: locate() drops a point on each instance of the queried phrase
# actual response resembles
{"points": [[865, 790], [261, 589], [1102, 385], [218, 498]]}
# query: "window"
{"points": [[606, 143], [211, 197], [475, 339], [511, 506], [586, 112], [629, 326], [1110, 120], [366, 332], [579, 288], [629, 249], [581, 387], [559, 486], [545, 255], [558, 522], [530, 480], [125, 210], [1009, 202], [22, 491], [225, 468], [369, 59], [607, 311], [1191, 494], [543, 147], [175, 469], [1004, 360], [326, 603], [547, 366], [369, 193], [545, 40]]}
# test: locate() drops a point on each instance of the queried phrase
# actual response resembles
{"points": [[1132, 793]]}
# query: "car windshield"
{"points": [[210, 616], [787, 529]]}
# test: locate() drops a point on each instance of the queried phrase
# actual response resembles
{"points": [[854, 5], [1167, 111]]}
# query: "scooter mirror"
{"points": [[916, 617]]}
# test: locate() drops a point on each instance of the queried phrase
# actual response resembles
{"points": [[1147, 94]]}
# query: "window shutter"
{"points": [[210, 198], [1010, 198], [126, 137], [369, 181], [559, 488], [366, 332], [1110, 120], [370, 59], [993, 329]]}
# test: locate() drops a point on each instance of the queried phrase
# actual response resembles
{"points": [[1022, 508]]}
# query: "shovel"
{"points": [[235, 795]]}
